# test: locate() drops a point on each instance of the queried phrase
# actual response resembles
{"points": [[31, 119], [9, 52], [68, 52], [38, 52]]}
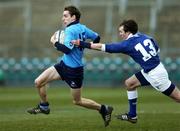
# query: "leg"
{"points": [[175, 95], [173, 92], [74, 78], [104, 110], [48, 75], [131, 84], [84, 102]]}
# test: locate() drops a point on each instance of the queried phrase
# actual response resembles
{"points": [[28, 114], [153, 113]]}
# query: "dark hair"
{"points": [[73, 11], [130, 26]]}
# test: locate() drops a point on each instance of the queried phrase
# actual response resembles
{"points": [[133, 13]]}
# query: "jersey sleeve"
{"points": [[118, 47], [90, 34]]}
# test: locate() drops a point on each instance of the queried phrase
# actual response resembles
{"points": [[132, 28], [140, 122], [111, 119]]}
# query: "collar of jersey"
{"points": [[73, 23], [129, 36]]}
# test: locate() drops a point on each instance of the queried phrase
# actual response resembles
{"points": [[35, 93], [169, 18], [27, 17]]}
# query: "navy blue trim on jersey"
{"points": [[61, 47], [75, 22], [169, 90], [97, 40], [72, 76], [141, 79]]}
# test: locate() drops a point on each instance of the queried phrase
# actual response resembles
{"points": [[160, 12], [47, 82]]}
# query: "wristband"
{"points": [[85, 44]]}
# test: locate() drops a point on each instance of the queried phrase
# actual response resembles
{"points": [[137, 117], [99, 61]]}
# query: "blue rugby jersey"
{"points": [[142, 48], [76, 31]]}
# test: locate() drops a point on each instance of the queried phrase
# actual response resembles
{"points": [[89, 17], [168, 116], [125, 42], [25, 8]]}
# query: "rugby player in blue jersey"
{"points": [[143, 50], [70, 67]]}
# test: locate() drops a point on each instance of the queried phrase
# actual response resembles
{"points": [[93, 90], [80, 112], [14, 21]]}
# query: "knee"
{"points": [[37, 83], [129, 85]]}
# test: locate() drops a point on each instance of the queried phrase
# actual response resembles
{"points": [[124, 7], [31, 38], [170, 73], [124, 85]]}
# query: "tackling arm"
{"points": [[91, 45], [111, 48]]}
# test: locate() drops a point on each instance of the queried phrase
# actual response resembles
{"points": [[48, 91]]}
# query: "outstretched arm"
{"points": [[118, 47], [94, 46]]}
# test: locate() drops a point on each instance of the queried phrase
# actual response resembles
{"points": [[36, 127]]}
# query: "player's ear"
{"points": [[74, 17]]}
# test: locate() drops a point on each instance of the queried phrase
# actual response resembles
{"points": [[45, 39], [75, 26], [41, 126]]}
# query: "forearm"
{"points": [[59, 46], [98, 46], [62, 48]]}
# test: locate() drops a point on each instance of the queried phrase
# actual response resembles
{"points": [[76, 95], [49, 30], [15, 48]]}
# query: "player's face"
{"points": [[124, 35], [67, 18]]}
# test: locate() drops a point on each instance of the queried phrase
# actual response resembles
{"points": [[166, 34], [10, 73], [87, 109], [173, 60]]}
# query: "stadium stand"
{"points": [[100, 71], [26, 28]]}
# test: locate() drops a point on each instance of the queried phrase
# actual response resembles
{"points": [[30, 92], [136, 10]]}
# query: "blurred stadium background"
{"points": [[26, 27]]}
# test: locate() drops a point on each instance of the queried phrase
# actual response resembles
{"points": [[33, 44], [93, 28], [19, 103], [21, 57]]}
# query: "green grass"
{"points": [[156, 112]]}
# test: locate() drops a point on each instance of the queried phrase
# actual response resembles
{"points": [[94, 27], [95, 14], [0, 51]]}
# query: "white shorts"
{"points": [[158, 78]]}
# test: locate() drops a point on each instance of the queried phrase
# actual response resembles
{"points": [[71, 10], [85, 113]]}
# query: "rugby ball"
{"points": [[59, 36]]}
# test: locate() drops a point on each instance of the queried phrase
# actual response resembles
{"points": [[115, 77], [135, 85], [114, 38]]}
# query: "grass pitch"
{"points": [[156, 112]]}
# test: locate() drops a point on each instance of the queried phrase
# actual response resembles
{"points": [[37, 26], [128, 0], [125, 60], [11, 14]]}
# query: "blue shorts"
{"points": [[72, 76], [141, 79]]}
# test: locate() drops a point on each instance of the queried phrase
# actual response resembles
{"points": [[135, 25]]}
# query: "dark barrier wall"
{"points": [[98, 71]]}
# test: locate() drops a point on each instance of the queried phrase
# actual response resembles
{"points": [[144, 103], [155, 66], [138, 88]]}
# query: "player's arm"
{"points": [[92, 35], [89, 45], [62, 47], [111, 48], [59, 46]]}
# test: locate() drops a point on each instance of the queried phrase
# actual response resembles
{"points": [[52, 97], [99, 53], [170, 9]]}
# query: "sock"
{"points": [[132, 98], [44, 105]]}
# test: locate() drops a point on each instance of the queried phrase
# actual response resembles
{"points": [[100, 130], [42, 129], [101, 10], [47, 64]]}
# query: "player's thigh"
{"points": [[132, 82], [48, 75], [175, 94], [76, 94]]}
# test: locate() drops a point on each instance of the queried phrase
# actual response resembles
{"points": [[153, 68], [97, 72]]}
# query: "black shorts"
{"points": [[72, 76]]}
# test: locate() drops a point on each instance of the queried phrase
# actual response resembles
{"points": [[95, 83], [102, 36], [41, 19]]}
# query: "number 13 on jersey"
{"points": [[146, 53]]}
